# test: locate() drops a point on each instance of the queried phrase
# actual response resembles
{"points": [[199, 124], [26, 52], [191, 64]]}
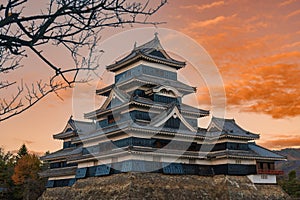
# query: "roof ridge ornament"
{"points": [[71, 119]]}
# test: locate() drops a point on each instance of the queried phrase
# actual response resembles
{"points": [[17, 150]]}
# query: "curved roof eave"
{"points": [[141, 56]]}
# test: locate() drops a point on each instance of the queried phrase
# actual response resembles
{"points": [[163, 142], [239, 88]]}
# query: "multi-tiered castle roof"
{"points": [[144, 126]]}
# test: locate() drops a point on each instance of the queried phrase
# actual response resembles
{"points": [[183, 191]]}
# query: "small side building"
{"points": [[237, 154]]}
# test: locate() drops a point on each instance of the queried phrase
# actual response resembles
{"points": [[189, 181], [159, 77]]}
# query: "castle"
{"points": [[143, 126]]}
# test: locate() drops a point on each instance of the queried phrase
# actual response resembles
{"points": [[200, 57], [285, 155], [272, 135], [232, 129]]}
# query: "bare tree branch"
{"points": [[69, 24]]}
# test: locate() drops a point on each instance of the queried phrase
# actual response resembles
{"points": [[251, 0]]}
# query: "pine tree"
{"points": [[292, 175], [291, 185], [7, 163], [22, 151]]}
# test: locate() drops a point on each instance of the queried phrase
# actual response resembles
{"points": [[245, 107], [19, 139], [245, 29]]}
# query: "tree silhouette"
{"points": [[27, 167], [26, 177], [22, 151], [7, 164], [291, 185], [292, 175], [69, 24]]}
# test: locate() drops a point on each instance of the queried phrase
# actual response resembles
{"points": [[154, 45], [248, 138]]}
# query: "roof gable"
{"points": [[151, 51], [75, 127], [153, 47], [167, 91], [115, 93], [229, 127], [68, 131], [173, 111]]}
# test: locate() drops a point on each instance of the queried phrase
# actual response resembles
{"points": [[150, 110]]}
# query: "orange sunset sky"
{"points": [[255, 45]]}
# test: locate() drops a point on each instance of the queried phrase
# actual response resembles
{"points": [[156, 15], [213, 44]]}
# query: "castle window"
{"points": [[58, 165], [238, 161], [264, 176], [110, 119], [271, 166], [68, 144], [139, 115], [164, 99], [140, 93]]}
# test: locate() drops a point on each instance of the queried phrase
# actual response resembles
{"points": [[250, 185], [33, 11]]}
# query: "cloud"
{"points": [[212, 95], [285, 3], [205, 6], [292, 45], [27, 142], [296, 12], [287, 56], [176, 16], [273, 90], [232, 37], [260, 75], [208, 22], [281, 142], [38, 153]]}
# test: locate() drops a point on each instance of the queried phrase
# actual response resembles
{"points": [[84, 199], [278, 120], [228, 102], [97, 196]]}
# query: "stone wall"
{"points": [[160, 186]]}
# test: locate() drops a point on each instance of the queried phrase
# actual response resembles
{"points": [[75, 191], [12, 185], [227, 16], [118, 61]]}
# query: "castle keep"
{"points": [[144, 126]]}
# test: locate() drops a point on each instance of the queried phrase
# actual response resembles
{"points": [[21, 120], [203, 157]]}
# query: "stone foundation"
{"points": [[160, 186]]}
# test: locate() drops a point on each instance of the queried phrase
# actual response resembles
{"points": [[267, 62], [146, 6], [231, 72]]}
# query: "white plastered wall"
{"points": [[262, 179]]}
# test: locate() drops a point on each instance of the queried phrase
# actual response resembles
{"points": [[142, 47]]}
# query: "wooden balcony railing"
{"points": [[269, 171]]}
